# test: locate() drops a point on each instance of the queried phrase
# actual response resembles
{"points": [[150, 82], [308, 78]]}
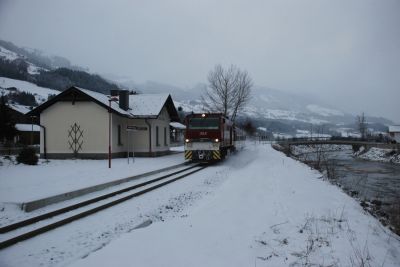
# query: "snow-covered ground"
{"points": [[41, 93], [269, 211], [258, 208], [379, 154], [304, 149], [324, 111], [21, 183], [8, 55]]}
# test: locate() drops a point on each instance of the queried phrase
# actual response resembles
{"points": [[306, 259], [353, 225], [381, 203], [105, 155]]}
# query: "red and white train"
{"points": [[210, 137]]}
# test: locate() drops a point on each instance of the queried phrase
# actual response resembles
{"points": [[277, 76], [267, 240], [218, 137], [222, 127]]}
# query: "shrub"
{"points": [[28, 156]]}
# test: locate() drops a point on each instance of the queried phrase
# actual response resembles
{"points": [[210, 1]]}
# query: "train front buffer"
{"points": [[202, 151]]}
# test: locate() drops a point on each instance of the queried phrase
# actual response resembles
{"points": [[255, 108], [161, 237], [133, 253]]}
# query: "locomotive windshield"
{"points": [[204, 123]]}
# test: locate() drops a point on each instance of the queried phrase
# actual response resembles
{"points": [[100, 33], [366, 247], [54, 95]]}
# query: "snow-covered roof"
{"points": [[20, 108], [105, 100], [263, 129], [27, 127], [147, 104], [177, 125], [140, 106], [394, 128]]}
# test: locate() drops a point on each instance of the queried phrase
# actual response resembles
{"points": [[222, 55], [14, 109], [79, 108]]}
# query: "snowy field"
{"points": [[22, 183], [258, 208]]}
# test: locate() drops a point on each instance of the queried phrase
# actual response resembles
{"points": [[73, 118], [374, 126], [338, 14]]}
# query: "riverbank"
{"points": [[373, 183], [379, 154]]}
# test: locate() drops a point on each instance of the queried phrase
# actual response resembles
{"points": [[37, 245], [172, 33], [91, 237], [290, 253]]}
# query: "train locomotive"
{"points": [[210, 137]]}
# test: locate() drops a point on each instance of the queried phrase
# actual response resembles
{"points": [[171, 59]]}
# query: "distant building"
{"points": [[263, 134], [27, 127], [76, 123], [394, 133], [27, 134]]}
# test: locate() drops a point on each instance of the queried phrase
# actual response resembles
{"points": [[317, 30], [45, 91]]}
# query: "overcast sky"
{"points": [[346, 52]]}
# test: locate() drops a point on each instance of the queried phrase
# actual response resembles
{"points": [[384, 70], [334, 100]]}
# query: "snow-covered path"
{"points": [[270, 211]]}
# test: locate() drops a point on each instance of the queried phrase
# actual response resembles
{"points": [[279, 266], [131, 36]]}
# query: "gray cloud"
{"points": [[346, 52]]}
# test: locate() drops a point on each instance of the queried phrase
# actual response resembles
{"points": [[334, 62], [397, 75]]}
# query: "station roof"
{"points": [[177, 125], [140, 105]]}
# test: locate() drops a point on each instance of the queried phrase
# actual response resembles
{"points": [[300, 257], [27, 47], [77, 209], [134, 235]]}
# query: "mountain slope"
{"points": [[265, 105], [21, 64]]}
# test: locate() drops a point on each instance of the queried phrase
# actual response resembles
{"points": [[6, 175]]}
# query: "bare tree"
{"points": [[228, 92], [362, 125], [242, 91]]}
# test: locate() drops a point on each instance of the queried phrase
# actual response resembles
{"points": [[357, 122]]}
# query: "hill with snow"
{"points": [[41, 94], [265, 105], [268, 107], [47, 71]]}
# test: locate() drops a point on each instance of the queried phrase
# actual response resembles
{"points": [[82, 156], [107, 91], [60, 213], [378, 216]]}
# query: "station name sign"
{"points": [[136, 128]]}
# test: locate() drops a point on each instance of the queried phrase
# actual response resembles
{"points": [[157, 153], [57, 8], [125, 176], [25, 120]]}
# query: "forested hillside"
{"points": [[50, 72]]}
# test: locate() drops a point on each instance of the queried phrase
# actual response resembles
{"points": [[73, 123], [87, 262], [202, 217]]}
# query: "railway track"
{"points": [[85, 208]]}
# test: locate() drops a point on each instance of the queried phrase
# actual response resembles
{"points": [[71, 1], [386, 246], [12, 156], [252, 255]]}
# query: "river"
{"points": [[369, 181]]}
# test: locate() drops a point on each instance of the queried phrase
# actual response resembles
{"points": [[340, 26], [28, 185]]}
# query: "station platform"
{"points": [[33, 187]]}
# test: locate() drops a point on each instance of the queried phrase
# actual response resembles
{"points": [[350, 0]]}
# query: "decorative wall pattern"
{"points": [[75, 138]]}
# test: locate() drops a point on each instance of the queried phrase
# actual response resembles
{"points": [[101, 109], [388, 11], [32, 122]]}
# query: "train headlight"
{"points": [[203, 115], [216, 140], [187, 140]]}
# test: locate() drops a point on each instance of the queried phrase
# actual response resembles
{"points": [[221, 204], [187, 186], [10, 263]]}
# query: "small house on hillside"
{"points": [[81, 123], [394, 133]]}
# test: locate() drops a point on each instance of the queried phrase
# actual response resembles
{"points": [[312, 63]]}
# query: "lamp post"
{"points": [[109, 129]]}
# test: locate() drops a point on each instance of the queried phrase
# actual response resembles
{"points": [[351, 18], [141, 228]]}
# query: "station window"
{"points": [[157, 137], [119, 135], [165, 136]]}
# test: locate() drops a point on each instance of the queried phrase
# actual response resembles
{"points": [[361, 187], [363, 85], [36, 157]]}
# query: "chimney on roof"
{"points": [[124, 99], [114, 92]]}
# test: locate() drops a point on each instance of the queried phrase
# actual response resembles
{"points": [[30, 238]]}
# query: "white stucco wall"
{"points": [[58, 119], [162, 122], [94, 120], [141, 138]]}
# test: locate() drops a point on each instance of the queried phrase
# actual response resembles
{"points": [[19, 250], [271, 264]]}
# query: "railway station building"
{"points": [[79, 123]]}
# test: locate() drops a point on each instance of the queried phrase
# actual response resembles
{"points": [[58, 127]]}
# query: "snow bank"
{"points": [[379, 154], [270, 211], [303, 149]]}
